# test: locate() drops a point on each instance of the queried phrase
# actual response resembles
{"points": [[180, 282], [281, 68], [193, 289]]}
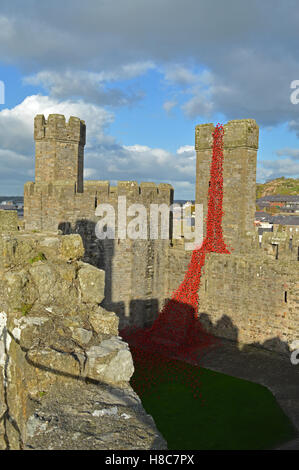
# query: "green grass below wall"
{"points": [[232, 414]]}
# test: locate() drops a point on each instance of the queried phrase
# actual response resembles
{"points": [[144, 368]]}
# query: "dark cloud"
{"points": [[250, 48], [99, 33]]}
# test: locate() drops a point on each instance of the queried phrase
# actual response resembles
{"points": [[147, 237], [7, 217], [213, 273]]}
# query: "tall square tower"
{"points": [[240, 145], [59, 150]]}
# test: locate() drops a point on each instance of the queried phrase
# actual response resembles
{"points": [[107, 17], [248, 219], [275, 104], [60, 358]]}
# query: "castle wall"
{"points": [[137, 271], [135, 279], [178, 260], [281, 246], [251, 299], [9, 221]]}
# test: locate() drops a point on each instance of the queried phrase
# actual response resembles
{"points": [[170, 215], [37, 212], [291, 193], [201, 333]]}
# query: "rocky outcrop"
{"points": [[91, 417], [64, 371]]}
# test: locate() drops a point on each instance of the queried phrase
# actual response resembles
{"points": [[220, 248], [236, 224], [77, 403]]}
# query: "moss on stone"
{"points": [[39, 257]]}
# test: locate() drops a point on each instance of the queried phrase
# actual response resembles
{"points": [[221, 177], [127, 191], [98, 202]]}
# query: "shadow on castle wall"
{"points": [[100, 253], [142, 312], [225, 328]]}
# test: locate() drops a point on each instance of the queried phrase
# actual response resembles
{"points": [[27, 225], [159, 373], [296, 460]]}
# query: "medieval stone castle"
{"points": [[250, 296], [65, 294]]}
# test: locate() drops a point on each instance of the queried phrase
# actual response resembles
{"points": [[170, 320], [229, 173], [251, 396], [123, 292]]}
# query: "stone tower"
{"points": [[59, 150], [240, 144]]}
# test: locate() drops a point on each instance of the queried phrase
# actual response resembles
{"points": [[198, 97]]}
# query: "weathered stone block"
{"points": [[8, 221], [17, 290], [45, 278], [110, 362], [71, 247], [81, 335], [49, 366], [103, 321], [97, 417], [92, 283]]}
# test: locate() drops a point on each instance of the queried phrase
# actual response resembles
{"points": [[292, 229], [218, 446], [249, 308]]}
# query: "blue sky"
{"points": [[142, 75]]}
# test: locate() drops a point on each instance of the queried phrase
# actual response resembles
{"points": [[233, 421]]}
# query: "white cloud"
{"points": [[137, 148], [169, 105], [187, 149], [16, 134], [199, 85], [16, 124], [104, 158], [288, 152], [271, 169], [12, 160], [131, 70], [285, 166], [294, 126], [88, 172], [180, 75], [262, 175], [154, 164], [91, 85], [200, 104]]}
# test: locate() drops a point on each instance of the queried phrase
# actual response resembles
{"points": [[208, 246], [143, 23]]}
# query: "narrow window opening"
{"points": [[285, 296], [276, 255]]}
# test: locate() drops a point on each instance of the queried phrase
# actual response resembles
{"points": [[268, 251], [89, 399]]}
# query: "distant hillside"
{"points": [[281, 185]]}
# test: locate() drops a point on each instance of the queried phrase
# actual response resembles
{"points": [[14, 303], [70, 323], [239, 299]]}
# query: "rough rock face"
{"points": [[64, 371], [91, 417]]}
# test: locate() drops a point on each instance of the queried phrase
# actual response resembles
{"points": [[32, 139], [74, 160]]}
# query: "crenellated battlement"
{"points": [[47, 204], [237, 133], [56, 127], [280, 245], [145, 192], [131, 189]]}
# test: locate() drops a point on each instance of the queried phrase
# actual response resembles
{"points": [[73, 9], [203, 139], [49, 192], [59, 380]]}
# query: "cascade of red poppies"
{"points": [[177, 331]]}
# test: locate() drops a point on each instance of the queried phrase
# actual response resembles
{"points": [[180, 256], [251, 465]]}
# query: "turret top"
{"points": [[56, 128], [237, 133]]}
